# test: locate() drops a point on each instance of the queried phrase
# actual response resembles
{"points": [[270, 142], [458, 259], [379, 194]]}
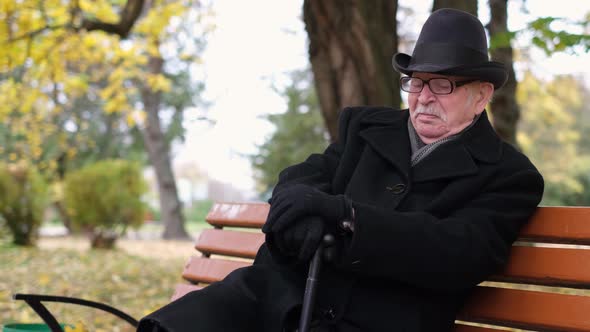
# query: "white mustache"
{"points": [[430, 110]]}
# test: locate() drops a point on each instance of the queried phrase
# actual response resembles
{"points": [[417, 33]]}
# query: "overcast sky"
{"points": [[259, 42]]}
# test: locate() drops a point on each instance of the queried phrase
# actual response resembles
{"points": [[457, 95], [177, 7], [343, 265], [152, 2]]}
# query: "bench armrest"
{"points": [[34, 301]]}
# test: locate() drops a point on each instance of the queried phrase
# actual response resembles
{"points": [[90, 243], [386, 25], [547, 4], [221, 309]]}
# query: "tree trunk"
{"points": [[159, 155], [504, 107], [469, 6], [350, 48], [59, 205], [103, 240], [65, 219]]}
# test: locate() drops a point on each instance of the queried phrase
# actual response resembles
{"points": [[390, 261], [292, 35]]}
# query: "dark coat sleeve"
{"points": [[317, 171], [450, 253]]}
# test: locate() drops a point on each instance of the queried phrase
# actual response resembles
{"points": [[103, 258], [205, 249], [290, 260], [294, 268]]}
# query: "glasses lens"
{"points": [[440, 86], [410, 84]]}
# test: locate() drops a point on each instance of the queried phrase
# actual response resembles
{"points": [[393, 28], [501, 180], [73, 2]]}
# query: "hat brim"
{"points": [[491, 71]]}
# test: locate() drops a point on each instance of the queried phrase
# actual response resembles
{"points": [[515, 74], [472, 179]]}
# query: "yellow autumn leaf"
{"points": [[78, 327], [130, 120], [107, 92], [153, 50], [156, 21], [101, 9], [71, 152], [76, 85], [8, 6], [117, 103], [59, 14], [139, 115], [36, 152], [158, 83], [43, 280], [25, 316], [141, 60], [117, 76]]}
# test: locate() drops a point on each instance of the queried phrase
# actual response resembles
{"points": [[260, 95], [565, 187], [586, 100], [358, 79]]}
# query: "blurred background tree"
{"points": [[556, 115], [503, 107], [298, 132], [96, 72]]}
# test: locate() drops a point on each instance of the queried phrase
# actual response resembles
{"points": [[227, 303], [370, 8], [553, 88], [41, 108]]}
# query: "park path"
{"points": [[143, 244]]}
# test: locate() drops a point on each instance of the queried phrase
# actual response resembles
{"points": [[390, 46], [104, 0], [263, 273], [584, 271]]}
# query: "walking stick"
{"points": [[311, 284]]}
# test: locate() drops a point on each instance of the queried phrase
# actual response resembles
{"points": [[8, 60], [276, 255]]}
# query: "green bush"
{"points": [[23, 199], [104, 199], [198, 210]]}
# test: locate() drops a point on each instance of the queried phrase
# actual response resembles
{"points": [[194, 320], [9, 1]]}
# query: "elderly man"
{"points": [[424, 203]]}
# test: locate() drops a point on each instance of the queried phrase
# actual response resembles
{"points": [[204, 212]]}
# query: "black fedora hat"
{"points": [[452, 42]]}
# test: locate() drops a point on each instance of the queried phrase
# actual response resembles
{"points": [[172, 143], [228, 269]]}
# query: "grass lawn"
{"points": [[137, 278]]}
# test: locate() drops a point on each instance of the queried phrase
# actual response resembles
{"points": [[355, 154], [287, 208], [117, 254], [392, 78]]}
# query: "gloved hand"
{"points": [[292, 203], [299, 240]]}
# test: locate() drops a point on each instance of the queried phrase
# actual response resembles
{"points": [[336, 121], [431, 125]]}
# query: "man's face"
{"points": [[438, 116]]}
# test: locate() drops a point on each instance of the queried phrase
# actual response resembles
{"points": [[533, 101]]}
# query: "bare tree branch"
{"points": [[34, 33], [128, 17]]}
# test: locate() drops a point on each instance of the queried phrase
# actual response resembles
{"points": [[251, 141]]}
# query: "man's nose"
{"points": [[426, 96]]}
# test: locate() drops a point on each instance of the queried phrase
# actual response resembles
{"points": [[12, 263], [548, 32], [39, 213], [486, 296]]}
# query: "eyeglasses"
{"points": [[438, 85]]}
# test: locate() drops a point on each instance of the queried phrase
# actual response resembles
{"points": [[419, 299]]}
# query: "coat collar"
{"points": [[387, 133]]}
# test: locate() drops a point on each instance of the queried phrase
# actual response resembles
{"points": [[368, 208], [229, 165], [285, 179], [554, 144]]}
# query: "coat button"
{"points": [[397, 189], [329, 314]]}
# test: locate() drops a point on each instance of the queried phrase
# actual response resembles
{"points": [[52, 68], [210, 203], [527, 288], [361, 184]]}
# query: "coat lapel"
{"points": [[458, 158], [448, 160], [387, 134]]}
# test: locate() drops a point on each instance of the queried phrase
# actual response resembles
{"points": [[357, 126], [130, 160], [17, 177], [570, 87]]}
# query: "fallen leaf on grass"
{"points": [[43, 280], [78, 327]]}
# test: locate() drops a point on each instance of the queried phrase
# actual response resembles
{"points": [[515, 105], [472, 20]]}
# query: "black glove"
{"points": [[298, 241], [297, 201]]}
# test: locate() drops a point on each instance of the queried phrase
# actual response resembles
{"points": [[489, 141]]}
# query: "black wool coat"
{"points": [[424, 235]]}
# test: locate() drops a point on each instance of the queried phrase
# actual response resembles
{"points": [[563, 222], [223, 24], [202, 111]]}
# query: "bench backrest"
{"points": [[545, 285], [231, 243]]}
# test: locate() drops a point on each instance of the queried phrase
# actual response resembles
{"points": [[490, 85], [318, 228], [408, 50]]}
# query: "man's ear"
{"points": [[483, 96]]}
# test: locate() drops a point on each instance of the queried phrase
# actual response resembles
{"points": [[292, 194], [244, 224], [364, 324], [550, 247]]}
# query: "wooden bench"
{"points": [[553, 252]]}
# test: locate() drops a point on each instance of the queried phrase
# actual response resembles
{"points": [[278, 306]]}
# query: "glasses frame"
{"points": [[454, 84]]}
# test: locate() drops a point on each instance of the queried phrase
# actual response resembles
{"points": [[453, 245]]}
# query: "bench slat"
{"points": [[207, 270], [562, 267], [471, 328], [552, 224], [251, 215], [183, 289], [229, 243], [528, 309], [559, 225]]}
